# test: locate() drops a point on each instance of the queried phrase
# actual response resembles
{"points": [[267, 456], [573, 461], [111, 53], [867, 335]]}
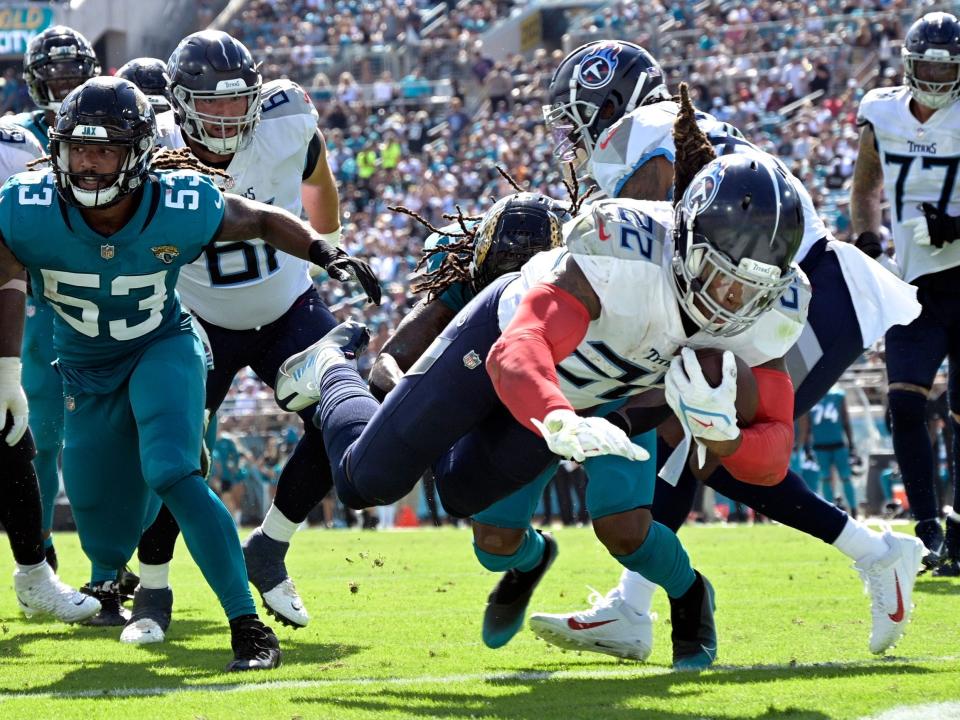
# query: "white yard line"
{"points": [[619, 672]]}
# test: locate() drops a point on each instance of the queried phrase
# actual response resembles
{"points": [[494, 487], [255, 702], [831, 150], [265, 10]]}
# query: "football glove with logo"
{"points": [[571, 436], [708, 412]]}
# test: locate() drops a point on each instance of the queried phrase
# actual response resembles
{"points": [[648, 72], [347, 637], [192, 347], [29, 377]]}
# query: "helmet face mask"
{"points": [[931, 60], [109, 112], [736, 232], [57, 60], [595, 86], [211, 65]]}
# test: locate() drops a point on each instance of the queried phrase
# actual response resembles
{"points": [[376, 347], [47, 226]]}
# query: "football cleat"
{"points": [[889, 579], [268, 573], [152, 609], [298, 379], [930, 532], [610, 626], [255, 647], [112, 613], [948, 568], [41, 591], [694, 633], [507, 604], [127, 583]]}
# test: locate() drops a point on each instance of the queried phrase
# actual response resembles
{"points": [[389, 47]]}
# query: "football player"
{"points": [[150, 75], [830, 436], [908, 152], [588, 310], [633, 157], [256, 305], [35, 581], [57, 60], [104, 236]]}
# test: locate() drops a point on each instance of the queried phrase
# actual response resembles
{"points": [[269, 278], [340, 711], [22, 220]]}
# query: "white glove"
{"points": [[920, 231], [12, 398], [571, 436], [709, 413]]}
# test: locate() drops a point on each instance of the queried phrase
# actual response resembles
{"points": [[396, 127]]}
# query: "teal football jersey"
{"points": [[458, 294], [35, 121], [826, 422], [112, 295]]}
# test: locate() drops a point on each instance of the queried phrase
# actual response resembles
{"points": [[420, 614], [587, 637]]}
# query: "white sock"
{"points": [[277, 527], [857, 541], [636, 591], [154, 577], [28, 568]]}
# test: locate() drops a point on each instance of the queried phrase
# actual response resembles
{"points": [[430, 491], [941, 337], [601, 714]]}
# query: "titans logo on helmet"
{"points": [[703, 190], [598, 67]]}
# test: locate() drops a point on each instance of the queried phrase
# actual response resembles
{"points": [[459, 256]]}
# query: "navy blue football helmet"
{"points": [[57, 60], [931, 60], [150, 75], [594, 86], [737, 231]]}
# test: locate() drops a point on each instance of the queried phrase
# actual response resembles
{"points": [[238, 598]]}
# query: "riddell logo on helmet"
{"points": [[598, 67]]}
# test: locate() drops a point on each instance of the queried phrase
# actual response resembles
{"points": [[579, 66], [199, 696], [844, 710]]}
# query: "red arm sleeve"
{"points": [[764, 453], [548, 326]]}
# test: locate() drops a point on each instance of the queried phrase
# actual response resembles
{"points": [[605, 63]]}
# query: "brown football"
{"points": [[748, 397]]}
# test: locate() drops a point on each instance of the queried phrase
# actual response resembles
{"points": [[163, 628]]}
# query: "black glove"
{"points": [[869, 243], [943, 228], [344, 268]]}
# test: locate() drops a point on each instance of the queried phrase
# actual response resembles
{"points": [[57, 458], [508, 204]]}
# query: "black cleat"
{"points": [[930, 532], [50, 555], [255, 647], [694, 632], [950, 567], [112, 613], [507, 604], [152, 609], [127, 583]]}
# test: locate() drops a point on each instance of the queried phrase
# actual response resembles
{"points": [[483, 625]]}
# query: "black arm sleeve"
{"points": [[314, 153]]}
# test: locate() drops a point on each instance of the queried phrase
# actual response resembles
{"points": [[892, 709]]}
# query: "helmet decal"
{"points": [[703, 189], [598, 68]]}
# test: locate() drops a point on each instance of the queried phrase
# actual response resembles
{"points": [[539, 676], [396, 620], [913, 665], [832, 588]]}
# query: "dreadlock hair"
{"points": [[167, 159], [458, 255], [694, 150]]}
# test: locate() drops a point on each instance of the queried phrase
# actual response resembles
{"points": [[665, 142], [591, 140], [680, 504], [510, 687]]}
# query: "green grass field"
{"points": [[395, 633]]}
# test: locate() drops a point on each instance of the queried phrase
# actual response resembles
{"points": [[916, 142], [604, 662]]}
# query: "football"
{"points": [[748, 397]]}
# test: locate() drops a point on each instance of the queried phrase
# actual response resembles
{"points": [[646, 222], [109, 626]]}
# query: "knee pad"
{"points": [[907, 407]]}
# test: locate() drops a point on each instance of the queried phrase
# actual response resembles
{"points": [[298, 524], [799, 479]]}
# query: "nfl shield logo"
{"points": [[69, 402], [471, 361], [106, 252]]}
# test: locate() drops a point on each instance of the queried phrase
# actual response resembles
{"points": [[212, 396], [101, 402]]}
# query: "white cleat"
{"points": [[142, 632], [610, 626], [41, 591], [284, 603], [298, 379], [889, 579]]}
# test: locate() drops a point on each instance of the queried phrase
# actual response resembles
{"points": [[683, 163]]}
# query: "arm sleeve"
{"points": [[764, 453], [549, 324]]}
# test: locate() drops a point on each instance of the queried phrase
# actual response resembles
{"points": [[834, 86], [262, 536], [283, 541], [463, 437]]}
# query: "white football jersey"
{"points": [[919, 163], [243, 285], [624, 249], [18, 146], [647, 132]]}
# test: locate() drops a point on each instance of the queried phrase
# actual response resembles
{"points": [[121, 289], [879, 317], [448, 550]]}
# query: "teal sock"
{"points": [[526, 558], [662, 560], [212, 540], [100, 574], [850, 494]]}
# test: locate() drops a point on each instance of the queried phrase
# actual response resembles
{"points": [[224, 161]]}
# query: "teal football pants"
{"points": [[128, 450], [44, 390]]}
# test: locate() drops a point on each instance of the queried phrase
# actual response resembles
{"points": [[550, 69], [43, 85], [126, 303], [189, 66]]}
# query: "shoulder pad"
{"points": [[19, 137], [282, 98], [873, 102], [625, 229], [32, 177]]}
